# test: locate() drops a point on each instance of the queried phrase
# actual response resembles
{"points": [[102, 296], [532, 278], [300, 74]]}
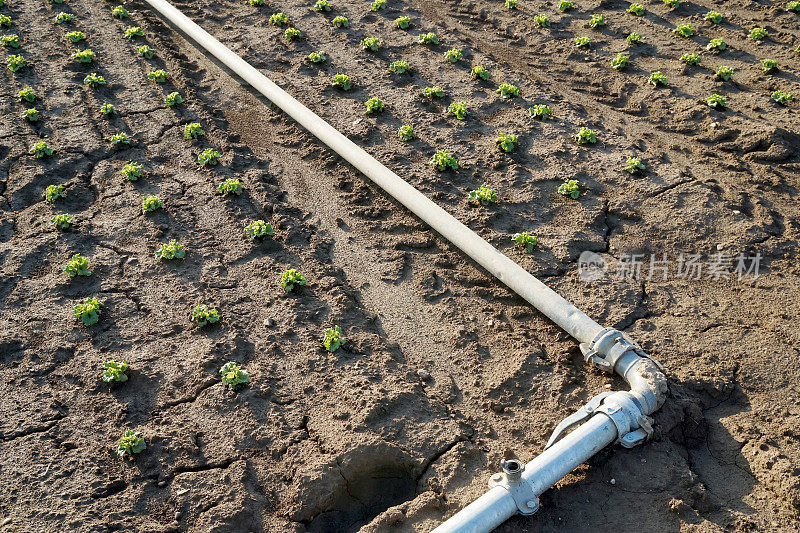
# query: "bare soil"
{"points": [[357, 440]]}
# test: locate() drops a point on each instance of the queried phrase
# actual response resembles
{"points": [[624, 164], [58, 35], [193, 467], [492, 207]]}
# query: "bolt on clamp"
{"points": [[520, 490]]}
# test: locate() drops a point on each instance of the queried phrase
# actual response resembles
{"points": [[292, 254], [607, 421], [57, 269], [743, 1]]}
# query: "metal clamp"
{"points": [[521, 491], [578, 417], [609, 346]]}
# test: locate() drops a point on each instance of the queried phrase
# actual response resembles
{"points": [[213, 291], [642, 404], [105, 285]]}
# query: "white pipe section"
{"points": [[556, 308]]}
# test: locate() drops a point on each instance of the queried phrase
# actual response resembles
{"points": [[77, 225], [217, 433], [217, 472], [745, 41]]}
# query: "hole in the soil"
{"points": [[364, 496]]}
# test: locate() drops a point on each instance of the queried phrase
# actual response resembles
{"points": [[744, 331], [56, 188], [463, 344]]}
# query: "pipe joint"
{"points": [[608, 347], [521, 490], [633, 426]]}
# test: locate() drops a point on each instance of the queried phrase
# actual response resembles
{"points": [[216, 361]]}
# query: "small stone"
{"points": [[737, 212], [269, 322], [423, 374], [162, 483], [613, 481], [607, 385], [177, 515], [720, 247]]}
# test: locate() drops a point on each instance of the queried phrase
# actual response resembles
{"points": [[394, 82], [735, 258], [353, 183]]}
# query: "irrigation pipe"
{"points": [[619, 416]]}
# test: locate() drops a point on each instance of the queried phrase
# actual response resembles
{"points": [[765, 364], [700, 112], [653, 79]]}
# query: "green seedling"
{"points": [[208, 157], [566, 5], [173, 99], [76, 36], [459, 110], [725, 72], [15, 62], [145, 51], [78, 265], [717, 101], [133, 31], [400, 66], [84, 56], [507, 142], [151, 203], [292, 33], [634, 165], [10, 41], [374, 106], [54, 192], [332, 339], [278, 19], [433, 92], [597, 21], [130, 443], [690, 59], [453, 55], [713, 17], [634, 38], [133, 171], [657, 78], [428, 38], [202, 315], [316, 57], [27, 94], [5, 21], [512, 4], [716, 45], [793, 6], [403, 23], [171, 250], [62, 221], [120, 12], [193, 130], [94, 80], [769, 65], [541, 20], [484, 195], [442, 160], [782, 97], [673, 4], [636, 9], [115, 371], [30, 114], [478, 72], [570, 188], [340, 21], [259, 229], [582, 41], [40, 150], [540, 111], [757, 34], [684, 30], [377, 5], [370, 43], [158, 76], [506, 90], [322, 6], [230, 187], [292, 278], [107, 109], [233, 376], [121, 138], [88, 312], [525, 240], [342, 82], [585, 136], [64, 18], [256, 3], [620, 62], [406, 132]]}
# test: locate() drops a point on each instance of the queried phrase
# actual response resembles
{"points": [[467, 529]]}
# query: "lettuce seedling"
{"points": [[130, 444], [506, 90], [506, 141], [793, 6], [585, 136], [374, 106], [54, 192], [173, 99], [690, 59], [120, 12], [94, 80], [634, 38], [634, 165], [716, 45], [27, 94], [107, 109], [88, 312], [725, 72], [442, 160], [15, 62], [291, 278], [525, 240], [278, 19], [172, 250], [370, 43], [259, 229], [208, 157], [674, 4], [620, 62], [782, 97], [233, 376], [61, 221], [133, 171], [193, 130], [636, 9], [769, 65], [84, 56], [40, 150], [399, 67], [342, 81], [657, 78], [453, 55], [76, 36], [540, 111], [202, 315], [717, 101], [713, 17], [541, 20], [30, 114], [403, 23], [582, 41], [406, 132], [757, 34], [322, 6], [566, 5], [684, 30], [340, 21], [478, 72], [316, 57], [230, 187], [570, 188], [512, 4], [78, 265], [377, 5], [332, 339], [158, 76], [484, 194], [115, 371], [459, 110], [145, 51], [256, 3], [5, 21], [10, 41], [597, 21], [133, 31], [151, 203], [292, 33], [428, 38], [121, 138], [433, 92], [64, 18]]}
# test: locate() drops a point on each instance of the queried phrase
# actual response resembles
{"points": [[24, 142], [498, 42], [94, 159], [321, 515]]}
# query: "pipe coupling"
{"points": [[520, 490], [633, 426]]}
